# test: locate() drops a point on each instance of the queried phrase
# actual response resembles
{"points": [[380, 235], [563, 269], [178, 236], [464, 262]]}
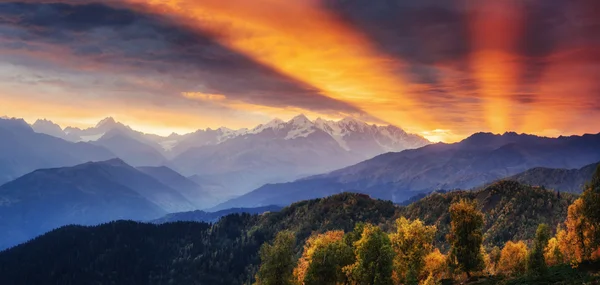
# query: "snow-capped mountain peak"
{"points": [[274, 124], [349, 124], [350, 133], [301, 120], [106, 122], [300, 126]]}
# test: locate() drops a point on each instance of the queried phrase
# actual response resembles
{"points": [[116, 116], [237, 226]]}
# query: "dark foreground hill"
{"points": [[226, 252]]}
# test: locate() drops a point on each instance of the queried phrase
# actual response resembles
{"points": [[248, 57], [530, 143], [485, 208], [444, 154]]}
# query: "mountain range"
{"points": [[237, 161], [22, 150], [86, 194], [565, 180], [475, 161]]}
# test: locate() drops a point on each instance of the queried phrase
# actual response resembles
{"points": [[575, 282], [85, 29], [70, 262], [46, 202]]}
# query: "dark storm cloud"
{"points": [[422, 34], [148, 43], [429, 35]]}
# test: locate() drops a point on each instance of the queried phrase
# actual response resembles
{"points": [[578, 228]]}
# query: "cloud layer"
{"points": [[458, 65]]}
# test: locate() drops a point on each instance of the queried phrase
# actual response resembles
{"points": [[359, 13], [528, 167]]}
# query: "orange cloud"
{"points": [[302, 41], [495, 30], [203, 96]]}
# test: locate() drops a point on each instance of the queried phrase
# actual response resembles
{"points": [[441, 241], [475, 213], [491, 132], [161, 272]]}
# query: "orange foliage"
{"points": [[314, 242], [575, 242], [435, 265], [513, 258], [552, 254]]}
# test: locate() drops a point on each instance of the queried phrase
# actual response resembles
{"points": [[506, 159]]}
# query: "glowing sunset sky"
{"points": [[443, 69]]}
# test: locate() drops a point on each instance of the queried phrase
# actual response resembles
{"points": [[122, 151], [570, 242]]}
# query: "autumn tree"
{"points": [[374, 258], [323, 258], [552, 254], [494, 259], [466, 237], [576, 241], [536, 261], [513, 258], [277, 261], [436, 266], [581, 239], [411, 242]]}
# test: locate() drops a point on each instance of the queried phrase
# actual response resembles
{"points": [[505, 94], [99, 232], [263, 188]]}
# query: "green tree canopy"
{"points": [[328, 261], [374, 258], [591, 209], [537, 262], [466, 236], [277, 261]]}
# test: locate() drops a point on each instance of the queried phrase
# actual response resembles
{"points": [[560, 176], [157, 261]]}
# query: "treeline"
{"points": [[368, 255]]}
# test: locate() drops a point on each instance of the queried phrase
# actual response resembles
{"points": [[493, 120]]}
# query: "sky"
{"points": [[441, 69]]}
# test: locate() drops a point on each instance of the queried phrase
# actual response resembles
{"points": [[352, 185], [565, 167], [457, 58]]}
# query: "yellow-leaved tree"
{"points": [[581, 239], [324, 257], [552, 253], [436, 266], [513, 258], [411, 242]]}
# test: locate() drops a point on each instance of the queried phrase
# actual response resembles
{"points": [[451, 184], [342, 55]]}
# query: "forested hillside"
{"points": [[226, 252], [512, 210]]}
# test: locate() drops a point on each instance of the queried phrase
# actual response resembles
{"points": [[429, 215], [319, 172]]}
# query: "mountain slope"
{"points": [[22, 150], [176, 252], [131, 150], [246, 162], [475, 161], [86, 194], [195, 193], [565, 180], [281, 151]]}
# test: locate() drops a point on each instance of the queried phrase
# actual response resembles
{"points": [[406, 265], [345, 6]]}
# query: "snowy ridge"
{"points": [[350, 134]]}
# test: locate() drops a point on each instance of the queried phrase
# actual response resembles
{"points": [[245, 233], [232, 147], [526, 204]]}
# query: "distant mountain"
{"points": [[199, 138], [195, 193], [22, 150], [282, 151], [565, 180], [212, 217], [86, 194], [48, 127], [131, 150], [109, 126], [138, 253], [475, 161], [237, 161]]}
